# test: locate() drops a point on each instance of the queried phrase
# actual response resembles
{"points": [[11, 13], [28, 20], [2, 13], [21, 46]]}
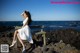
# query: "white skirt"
{"points": [[25, 34]]}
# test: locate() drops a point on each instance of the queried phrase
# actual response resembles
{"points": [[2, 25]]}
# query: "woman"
{"points": [[23, 33]]}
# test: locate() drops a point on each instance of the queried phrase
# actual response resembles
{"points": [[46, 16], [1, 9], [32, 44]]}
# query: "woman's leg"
{"points": [[14, 38], [20, 40], [21, 43], [15, 35]]}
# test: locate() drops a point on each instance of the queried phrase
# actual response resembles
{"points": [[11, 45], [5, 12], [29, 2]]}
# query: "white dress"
{"points": [[25, 33]]}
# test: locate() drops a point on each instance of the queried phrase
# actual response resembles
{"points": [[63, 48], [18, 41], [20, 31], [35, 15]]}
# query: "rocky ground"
{"points": [[58, 41]]}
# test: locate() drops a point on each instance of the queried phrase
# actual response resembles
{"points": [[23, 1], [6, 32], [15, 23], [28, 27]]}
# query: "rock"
{"points": [[37, 50], [58, 41], [50, 50], [70, 51], [69, 36], [6, 28], [61, 47]]}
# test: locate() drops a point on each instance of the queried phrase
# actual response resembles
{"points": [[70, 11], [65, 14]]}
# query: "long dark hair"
{"points": [[29, 17]]}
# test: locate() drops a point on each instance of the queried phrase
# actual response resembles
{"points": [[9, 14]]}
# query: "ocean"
{"points": [[47, 25]]}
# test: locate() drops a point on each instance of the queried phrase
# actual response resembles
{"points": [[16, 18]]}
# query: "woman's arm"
{"points": [[25, 24]]}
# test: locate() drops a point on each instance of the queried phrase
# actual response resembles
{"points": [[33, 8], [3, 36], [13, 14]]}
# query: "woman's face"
{"points": [[24, 15]]}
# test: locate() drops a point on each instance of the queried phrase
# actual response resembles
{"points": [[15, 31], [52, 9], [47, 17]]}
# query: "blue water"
{"points": [[48, 25]]}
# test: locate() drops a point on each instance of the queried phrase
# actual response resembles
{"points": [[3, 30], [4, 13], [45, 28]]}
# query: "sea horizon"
{"points": [[48, 25]]}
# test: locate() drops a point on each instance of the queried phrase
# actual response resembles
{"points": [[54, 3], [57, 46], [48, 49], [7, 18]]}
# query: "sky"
{"points": [[41, 10]]}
